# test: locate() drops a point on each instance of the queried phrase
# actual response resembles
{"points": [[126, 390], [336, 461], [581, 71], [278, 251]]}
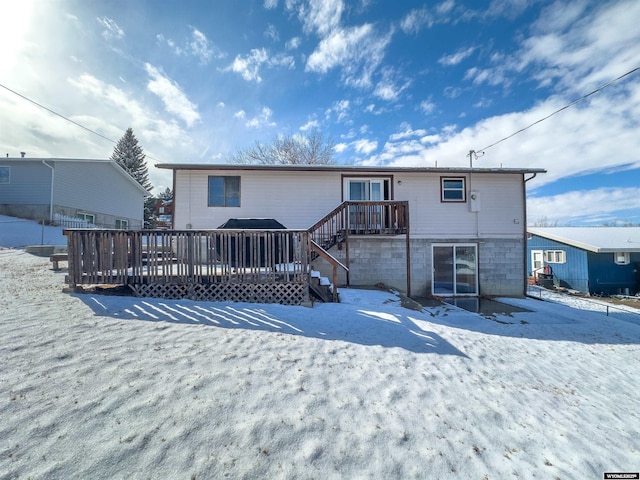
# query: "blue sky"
{"points": [[390, 83]]}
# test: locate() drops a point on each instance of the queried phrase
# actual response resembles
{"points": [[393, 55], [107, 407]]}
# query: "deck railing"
{"points": [[238, 265], [361, 218], [238, 260]]}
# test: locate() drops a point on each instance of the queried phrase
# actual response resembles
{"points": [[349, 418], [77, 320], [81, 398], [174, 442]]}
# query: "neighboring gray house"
{"points": [[99, 192], [467, 233]]}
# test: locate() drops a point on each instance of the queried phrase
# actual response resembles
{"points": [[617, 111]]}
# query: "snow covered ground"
{"points": [[103, 387]]}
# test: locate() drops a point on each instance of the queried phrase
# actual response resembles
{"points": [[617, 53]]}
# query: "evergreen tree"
{"points": [[129, 155], [150, 219], [166, 195]]}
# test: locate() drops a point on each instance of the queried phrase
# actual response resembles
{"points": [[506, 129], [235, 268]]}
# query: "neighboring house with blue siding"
{"points": [[596, 260], [97, 191]]}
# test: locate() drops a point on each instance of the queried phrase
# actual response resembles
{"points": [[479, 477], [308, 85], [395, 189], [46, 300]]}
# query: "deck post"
{"points": [[408, 240]]}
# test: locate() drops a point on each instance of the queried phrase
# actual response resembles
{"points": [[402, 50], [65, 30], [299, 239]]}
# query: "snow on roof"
{"points": [[594, 239]]}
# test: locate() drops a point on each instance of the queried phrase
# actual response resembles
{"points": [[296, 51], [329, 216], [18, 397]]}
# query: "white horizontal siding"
{"points": [[501, 211], [299, 199], [295, 199]]}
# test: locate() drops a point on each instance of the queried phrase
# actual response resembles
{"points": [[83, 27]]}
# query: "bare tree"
{"points": [[309, 149], [545, 222]]}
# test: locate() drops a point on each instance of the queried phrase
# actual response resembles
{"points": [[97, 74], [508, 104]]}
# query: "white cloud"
{"points": [[311, 124], [174, 99], [457, 57], [387, 88], [407, 132], [200, 47], [427, 106], [415, 20], [358, 51], [221, 105], [281, 60], [270, 4], [293, 43], [365, 146], [571, 55], [197, 45], [585, 206], [420, 18], [340, 109], [321, 17], [249, 66], [263, 119], [340, 147], [272, 33], [240, 114], [111, 29]]}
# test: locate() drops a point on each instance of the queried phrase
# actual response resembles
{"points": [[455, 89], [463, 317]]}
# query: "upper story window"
{"points": [[621, 258], [555, 256], [452, 189], [224, 191], [367, 189], [5, 174]]}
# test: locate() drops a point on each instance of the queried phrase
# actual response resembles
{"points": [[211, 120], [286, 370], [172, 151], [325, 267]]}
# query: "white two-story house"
{"points": [[427, 231]]}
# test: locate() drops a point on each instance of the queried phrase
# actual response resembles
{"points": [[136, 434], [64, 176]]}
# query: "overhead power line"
{"points": [[480, 152], [65, 118]]}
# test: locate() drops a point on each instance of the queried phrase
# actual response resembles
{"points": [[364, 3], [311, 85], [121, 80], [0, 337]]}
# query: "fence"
{"points": [[593, 304]]}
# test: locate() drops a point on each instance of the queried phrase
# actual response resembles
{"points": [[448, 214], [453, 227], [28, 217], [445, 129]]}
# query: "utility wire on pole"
{"points": [[481, 151], [64, 118]]}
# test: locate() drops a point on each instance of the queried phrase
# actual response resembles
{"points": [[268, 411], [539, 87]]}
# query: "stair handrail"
{"points": [[335, 213], [335, 263]]}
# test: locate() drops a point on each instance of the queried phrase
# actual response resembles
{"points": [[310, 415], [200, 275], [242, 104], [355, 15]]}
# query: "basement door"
{"points": [[455, 270]]}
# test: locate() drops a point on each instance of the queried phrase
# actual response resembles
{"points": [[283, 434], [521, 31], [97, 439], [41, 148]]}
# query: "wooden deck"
{"points": [[267, 266], [229, 265]]}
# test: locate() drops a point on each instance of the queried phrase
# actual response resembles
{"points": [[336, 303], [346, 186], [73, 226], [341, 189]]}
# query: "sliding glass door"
{"points": [[362, 190], [455, 270]]}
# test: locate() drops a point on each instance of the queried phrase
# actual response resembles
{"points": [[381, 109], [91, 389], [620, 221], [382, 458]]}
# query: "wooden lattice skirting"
{"points": [[283, 293]]}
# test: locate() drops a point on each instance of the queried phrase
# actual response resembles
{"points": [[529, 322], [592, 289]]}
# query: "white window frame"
{"points": [[462, 190], [122, 224], [555, 256], [454, 266], [621, 258], [87, 217], [381, 182]]}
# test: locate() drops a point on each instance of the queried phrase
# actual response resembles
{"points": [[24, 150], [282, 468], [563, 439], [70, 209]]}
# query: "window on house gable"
{"points": [[555, 256], [452, 189], [224, 191], [5, 174], [621, 258]]}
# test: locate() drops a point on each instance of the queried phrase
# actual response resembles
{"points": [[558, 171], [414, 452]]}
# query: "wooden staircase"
{"points": [[321, 288], [354, 218]]}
